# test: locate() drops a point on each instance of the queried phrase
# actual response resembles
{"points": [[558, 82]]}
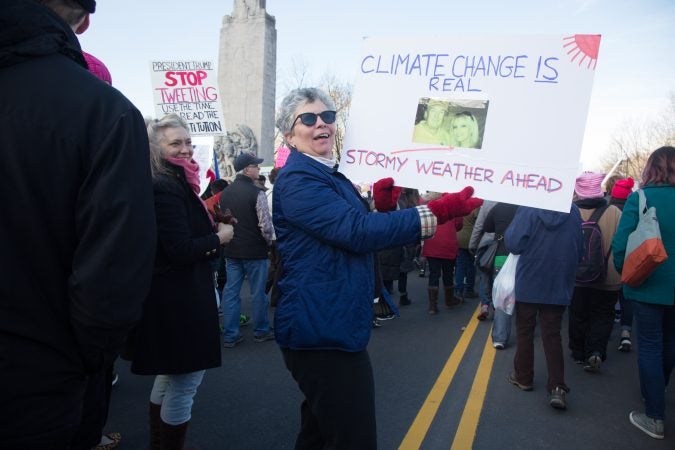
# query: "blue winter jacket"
{"points": [[550, 245], [326, 238]]}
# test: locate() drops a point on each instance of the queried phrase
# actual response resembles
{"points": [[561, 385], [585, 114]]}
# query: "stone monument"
{"points": [[247, 75]]}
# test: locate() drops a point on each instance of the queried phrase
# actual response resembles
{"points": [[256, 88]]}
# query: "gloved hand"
{"points": [[385, 194], [454, 205], [225, 217]]}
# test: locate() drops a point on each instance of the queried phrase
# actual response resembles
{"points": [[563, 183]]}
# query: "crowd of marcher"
{"points": [[123, 255]]}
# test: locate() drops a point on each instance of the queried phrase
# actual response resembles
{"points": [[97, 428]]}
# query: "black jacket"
{"points": [[240, 197], [77, 224], [497, 221], [179, 330]]}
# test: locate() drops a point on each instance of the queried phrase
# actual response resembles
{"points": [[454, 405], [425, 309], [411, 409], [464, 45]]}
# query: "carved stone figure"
{"points": [[248, 8], [228, 147]]}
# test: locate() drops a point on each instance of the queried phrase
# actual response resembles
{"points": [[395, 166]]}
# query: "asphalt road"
{"points": [[439, 385]]}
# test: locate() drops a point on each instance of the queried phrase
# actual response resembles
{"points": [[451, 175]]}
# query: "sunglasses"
{"points": [[309, 119]]}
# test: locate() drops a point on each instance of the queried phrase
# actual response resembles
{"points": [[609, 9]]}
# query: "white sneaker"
{"points": [[498, 345]]}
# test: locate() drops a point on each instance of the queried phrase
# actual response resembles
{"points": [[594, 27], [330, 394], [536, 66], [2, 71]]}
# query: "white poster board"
{"points": [[504, 114], [188, 88], [203, 155]]}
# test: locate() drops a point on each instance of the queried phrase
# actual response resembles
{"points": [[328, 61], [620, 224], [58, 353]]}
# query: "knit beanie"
{"points": [[97, 68], [623, 188], [588, 185]]}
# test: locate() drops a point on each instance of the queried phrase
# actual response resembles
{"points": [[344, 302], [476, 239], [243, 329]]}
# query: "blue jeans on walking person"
{"points": [[501, 327], [485, 287], [176, 394], [656, 353], [255, 270], [626, 312], [465, 272]]}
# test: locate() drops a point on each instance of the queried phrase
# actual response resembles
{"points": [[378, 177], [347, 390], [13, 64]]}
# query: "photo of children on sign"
{"points": [[451, 113], [457, 123]]}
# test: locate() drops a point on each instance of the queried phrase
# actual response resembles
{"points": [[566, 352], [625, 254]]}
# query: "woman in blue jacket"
{"points": [[653, 300], [327, 238]]}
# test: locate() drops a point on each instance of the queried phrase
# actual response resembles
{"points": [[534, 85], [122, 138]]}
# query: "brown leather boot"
{"points": [[172, 437], [451, 300], [433, 300], [155, 425]]}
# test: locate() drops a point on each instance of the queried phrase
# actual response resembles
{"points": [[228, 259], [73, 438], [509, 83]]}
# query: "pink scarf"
{"points": [[191, 169]]}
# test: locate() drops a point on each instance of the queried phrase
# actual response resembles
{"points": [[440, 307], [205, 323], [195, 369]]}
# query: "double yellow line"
{"points": [[466, 431]]}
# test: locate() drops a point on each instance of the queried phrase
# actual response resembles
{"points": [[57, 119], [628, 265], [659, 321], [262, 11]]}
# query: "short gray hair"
{"points": [[292, 102], [156, 129]]}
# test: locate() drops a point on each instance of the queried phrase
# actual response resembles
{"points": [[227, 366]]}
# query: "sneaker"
{"points": [[499, 345], [376, 323], [421, 274], [109, 441], [238, 340], [244, 320], [385, 316], [522, 387], [625, 344], [557, 398], [484, 312], [593, 363], [264, 337], [651, 427]]}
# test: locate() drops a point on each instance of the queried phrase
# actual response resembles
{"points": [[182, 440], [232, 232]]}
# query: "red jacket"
{"points": [[444, 243]]}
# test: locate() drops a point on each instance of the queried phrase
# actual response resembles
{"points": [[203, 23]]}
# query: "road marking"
{"points": [[420, 426], [466, 431]]}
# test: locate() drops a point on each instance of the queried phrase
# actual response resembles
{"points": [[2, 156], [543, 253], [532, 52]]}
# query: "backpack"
{"points": [[593, 265]]}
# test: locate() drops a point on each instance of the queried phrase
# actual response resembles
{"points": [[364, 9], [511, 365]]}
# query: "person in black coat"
{"points": [[178, 336], [77, 222], [497, 221]]}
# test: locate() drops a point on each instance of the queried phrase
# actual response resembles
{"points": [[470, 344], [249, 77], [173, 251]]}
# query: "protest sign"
{"points": [[188, 88], [505, 115], [203, 155]]}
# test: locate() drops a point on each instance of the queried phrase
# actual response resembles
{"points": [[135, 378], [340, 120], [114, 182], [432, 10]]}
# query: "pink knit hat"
{"points": [[623, 188], [588, 185], [97, 68]]}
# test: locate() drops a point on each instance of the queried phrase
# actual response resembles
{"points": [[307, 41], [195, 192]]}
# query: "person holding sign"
{"points": [[431, 130], [327, 238], [464, 130], [178, 336], [653, 301]]}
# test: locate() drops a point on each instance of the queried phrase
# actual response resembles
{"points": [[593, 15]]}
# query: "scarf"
{"points": [[191, 169]]}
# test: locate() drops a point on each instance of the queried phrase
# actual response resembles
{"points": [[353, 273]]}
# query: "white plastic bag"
{"points": [[504, 286]]}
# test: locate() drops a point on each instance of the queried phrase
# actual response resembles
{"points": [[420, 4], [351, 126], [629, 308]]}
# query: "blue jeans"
{"points": [[256, 272], [501, 327], [176, 394], [626, 312], [465, 272], [485, 287], [656, 353]]}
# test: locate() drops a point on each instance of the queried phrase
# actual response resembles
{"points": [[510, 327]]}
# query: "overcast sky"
{"points": [[634, 77]]}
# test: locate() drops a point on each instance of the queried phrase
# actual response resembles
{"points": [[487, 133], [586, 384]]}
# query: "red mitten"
{"points": [[454, 205], [385, 194]]}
